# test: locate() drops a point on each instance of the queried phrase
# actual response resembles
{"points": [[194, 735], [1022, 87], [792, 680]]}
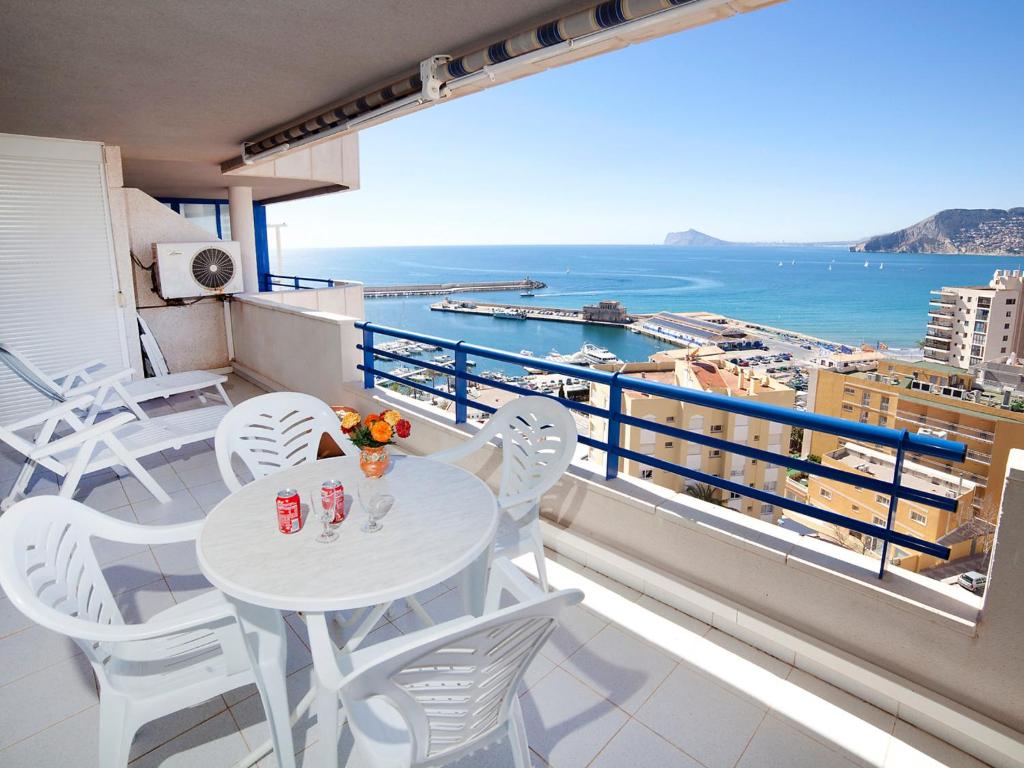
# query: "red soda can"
{"points": [[339, 501], [289, 516]]}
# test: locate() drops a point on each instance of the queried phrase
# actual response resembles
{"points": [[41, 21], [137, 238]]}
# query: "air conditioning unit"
{"points": [[186, 270]]}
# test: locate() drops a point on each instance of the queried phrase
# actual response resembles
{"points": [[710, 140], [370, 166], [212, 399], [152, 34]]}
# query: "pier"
{"points": [[443, 289], [598, 314]]}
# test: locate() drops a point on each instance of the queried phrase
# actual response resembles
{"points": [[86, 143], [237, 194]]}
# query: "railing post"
{"points": [[894, 501], [369, 381], [614, 425], [461, 388], [330, 283], [295, 280]]}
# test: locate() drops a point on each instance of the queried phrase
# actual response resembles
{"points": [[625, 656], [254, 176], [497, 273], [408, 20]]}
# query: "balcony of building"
{"points": [[668, 662], [942, 298]]}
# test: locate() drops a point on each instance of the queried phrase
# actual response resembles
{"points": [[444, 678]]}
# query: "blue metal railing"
{"points": [[899, 440], [295, 281]]}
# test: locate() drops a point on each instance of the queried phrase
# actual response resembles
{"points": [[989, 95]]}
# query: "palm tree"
{"points": [[704, 492]]}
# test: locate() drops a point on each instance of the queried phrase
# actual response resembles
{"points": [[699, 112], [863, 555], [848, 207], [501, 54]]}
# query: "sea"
{"points": [[827, 292]]}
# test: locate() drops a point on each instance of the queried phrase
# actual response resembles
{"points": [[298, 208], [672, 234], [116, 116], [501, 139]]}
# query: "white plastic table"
{"points": [[443, 523]]}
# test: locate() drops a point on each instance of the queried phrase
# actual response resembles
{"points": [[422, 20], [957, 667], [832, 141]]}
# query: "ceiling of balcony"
{"points": [[186, 82]]}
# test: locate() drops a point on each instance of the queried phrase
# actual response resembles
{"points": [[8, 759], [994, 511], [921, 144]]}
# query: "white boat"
{"points": [[527, 294], [444, 360], [780, 263], [596, 355], [882, 265], [509, 314], [829, 267], [866, 264]]}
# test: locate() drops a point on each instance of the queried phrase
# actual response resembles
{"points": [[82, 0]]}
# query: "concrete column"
{"points": [[244, 231]]}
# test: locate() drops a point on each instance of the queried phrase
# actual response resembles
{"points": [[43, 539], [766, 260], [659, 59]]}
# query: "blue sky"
{"points": [[810, 120]]}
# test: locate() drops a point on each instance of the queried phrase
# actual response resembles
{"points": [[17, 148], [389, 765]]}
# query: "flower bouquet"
{"points": [[373, 435]]}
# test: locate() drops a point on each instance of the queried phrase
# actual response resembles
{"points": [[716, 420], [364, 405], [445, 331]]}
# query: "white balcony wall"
{"points": [[285, 341]]}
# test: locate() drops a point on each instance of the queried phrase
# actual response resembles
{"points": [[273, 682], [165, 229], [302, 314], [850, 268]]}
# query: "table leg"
{"points": [[265, 635], [474, 584]]}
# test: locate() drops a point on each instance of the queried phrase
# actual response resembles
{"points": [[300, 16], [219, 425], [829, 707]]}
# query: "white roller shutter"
{"points": [[58, 285]]}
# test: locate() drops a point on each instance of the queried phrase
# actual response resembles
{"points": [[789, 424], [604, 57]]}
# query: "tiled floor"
{"points": [[625, 681]]}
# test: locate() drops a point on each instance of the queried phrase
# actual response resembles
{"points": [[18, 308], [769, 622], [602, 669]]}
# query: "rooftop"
{"points": [[626, 679], [880, 465]]}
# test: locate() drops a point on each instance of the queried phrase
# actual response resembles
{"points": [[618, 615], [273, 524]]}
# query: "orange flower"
{"points": [[380, 431], [391, 417], [370, 418]]}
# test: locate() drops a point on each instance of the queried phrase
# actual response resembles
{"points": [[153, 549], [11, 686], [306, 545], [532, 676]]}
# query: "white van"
{"points": [[972, 580]]}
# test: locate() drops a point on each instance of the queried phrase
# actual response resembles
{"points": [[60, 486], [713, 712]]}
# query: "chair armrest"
{"points": [[57, 411], [78, 372], [90, 386], [113, 529], [461, 451], [105, 427], [149, 630]]}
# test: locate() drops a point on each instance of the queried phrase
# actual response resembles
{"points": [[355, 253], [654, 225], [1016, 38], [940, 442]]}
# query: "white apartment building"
{"points": [[971, 325]]}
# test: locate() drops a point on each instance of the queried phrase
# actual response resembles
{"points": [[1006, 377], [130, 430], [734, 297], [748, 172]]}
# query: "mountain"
{"points": [[692, 238], [956, 230]]}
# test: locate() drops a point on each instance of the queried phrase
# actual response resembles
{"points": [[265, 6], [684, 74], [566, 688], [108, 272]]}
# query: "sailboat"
{"points": [[866, 265], [829, 267], [780, 263], [793, 263], [882, 265]]}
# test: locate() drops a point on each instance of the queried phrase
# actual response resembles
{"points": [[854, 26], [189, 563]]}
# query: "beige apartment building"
{"points": [[971, 325], [957, 529], [707, 376], [930, 398]]}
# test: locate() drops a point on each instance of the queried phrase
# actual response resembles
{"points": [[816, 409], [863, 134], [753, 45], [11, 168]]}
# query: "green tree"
{"points": [[704, 492]]}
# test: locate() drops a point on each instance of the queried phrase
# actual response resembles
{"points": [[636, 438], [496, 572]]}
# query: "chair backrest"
{"points": [[30, 373], [454, 688], [49, 570], [273, 432], [538, 439]]}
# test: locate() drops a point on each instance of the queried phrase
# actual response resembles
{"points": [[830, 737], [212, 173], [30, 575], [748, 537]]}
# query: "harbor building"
{"points": [[930, 398], [699, 329], [606, 311], [958, 530], [975, 324], [706, 376]]}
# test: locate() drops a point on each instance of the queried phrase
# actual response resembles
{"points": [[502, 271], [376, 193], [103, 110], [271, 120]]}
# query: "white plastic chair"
{"points": [[273, 432], [538, 439], [181, 657], [116, 441], [434, 696]]}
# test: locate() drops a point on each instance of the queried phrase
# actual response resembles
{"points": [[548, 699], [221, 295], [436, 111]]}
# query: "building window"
{"points": [[1008, 314], [854, 508], [1002, 351], [668, 443], [918, 518], [646, 474], [881, 498], [883, 421], [878, 520], [848, 390], [733, 495], [716, 428], [864, 417], [714, 454], [1010, 302], [825, 493], [770, 486], [753, 462], [766, 510], [883, 403], [1006, 326], [669, 419], [848, 409]]}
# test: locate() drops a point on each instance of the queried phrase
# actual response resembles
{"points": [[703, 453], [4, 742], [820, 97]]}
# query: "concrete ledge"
{"points": [[972, 732]]}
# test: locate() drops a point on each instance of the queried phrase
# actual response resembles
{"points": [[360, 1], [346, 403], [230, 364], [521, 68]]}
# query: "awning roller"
{"points": [[604, 16]]}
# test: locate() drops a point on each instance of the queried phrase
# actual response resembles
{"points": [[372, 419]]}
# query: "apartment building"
{"points": [[956, 529], [971, 325], [707, 376], [931, 398]]}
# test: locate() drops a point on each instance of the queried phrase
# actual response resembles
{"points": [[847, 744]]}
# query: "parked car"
{"points": [[972, 581]]}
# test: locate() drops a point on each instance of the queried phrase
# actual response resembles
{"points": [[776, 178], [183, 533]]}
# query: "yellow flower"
{"points": [[349, 420], [392, 417], [380, 431]]}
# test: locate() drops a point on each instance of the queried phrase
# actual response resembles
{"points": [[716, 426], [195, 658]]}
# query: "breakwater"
{"points": [[443, 289]]}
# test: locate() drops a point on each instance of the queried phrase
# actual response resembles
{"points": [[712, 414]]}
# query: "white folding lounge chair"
{"points": [[115, 389], [62, 442], [179, 658], [538, 439]]}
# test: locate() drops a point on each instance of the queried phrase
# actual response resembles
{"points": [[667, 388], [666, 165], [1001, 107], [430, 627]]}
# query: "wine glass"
{"points": [[325, 516], [376, 499]]}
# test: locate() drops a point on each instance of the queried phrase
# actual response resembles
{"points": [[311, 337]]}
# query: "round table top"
{"points": [[443, 519]]}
